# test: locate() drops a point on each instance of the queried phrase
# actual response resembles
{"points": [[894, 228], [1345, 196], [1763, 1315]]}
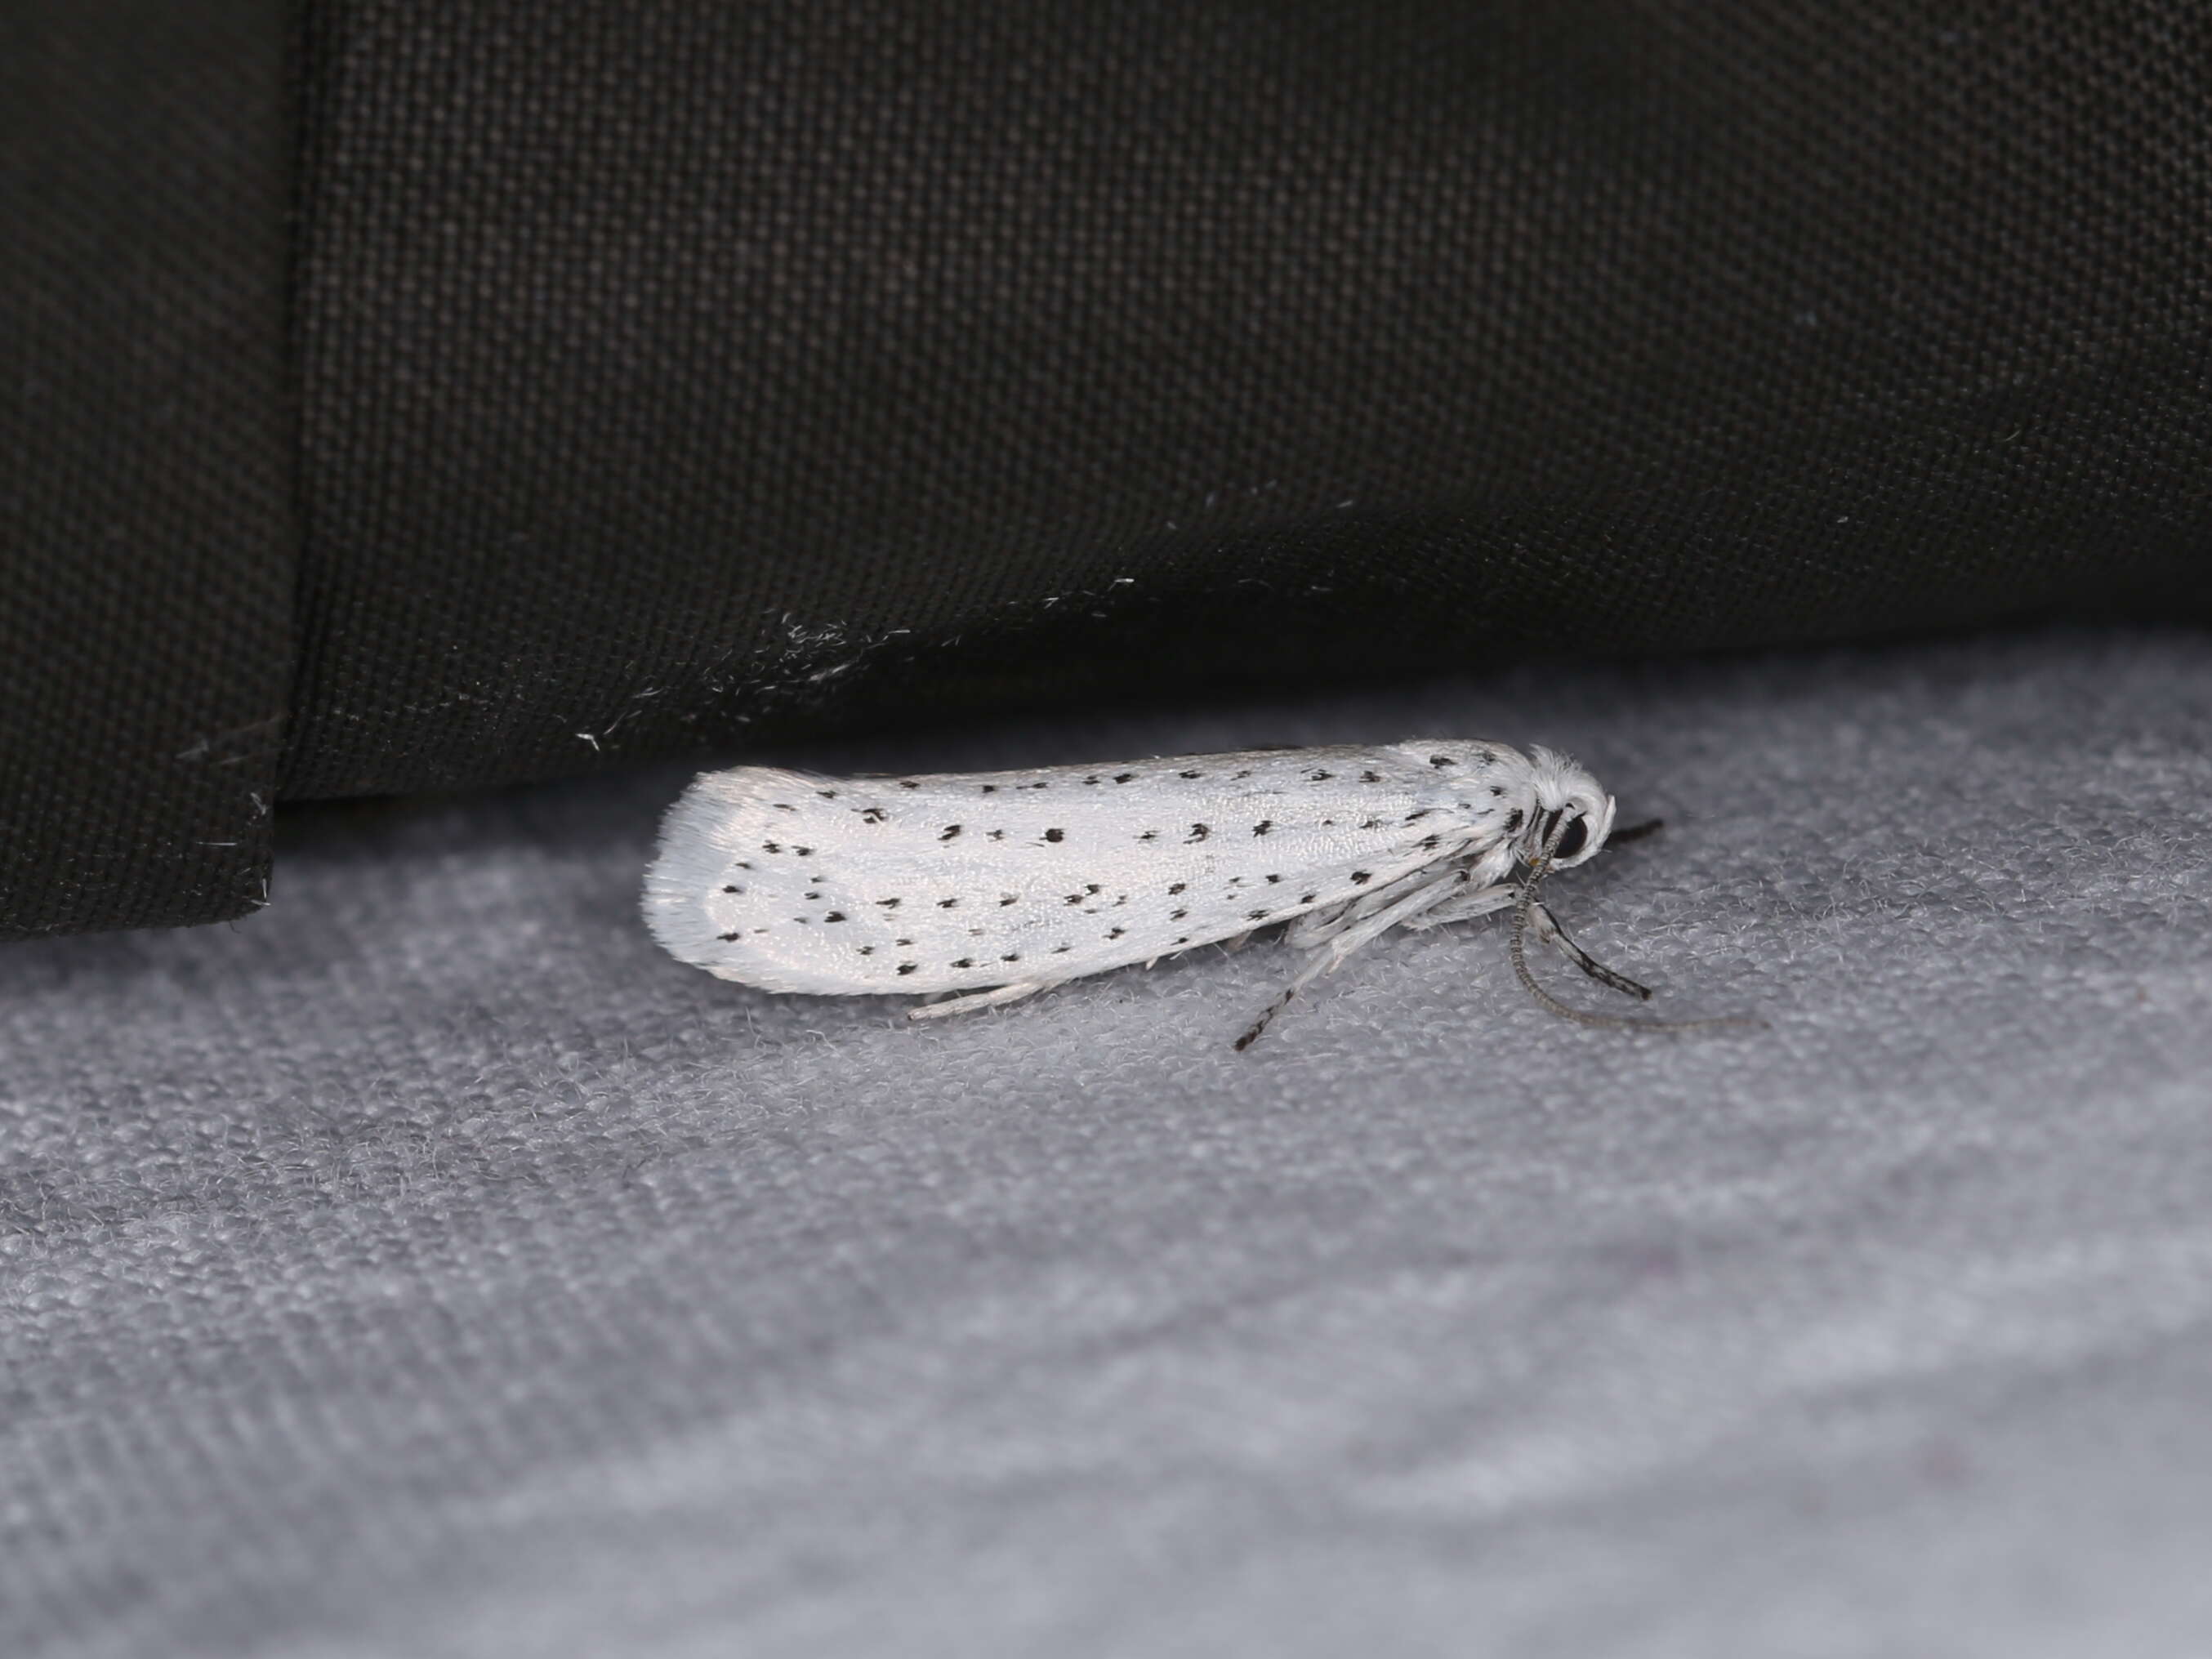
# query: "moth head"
{"points": [[1571, 816]]}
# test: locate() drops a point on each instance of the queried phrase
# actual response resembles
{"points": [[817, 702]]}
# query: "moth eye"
{"points": [[1575, 838]]}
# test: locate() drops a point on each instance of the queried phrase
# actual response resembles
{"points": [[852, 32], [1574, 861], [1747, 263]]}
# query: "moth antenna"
{"points": [[1517, 947]]}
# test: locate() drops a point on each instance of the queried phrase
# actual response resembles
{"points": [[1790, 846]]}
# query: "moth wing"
{"points": [[742, 882], [791, 882]]}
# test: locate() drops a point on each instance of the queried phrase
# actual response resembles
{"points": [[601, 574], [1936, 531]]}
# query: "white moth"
{"points": [[999, 885]]}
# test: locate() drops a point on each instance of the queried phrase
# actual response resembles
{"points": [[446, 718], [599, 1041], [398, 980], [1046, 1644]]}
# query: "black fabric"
{"points": [[673, 374], [672, 367], [146, 554]]}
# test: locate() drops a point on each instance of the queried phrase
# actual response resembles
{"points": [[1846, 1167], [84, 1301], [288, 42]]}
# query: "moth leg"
{"points": [[1466, 906], [975, 999], [1433, 890], [1236, 942], [1311, 928], [1485, 900], [1318, 926], [1549, 930]]}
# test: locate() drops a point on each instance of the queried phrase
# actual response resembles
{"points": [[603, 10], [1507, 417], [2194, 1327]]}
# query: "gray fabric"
{"points": [[429, 1265]]}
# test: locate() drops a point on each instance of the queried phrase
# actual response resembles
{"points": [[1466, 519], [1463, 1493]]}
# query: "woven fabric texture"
{"points": [[431, 1268], [675, 370], [146, 553], [672, 374]]}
